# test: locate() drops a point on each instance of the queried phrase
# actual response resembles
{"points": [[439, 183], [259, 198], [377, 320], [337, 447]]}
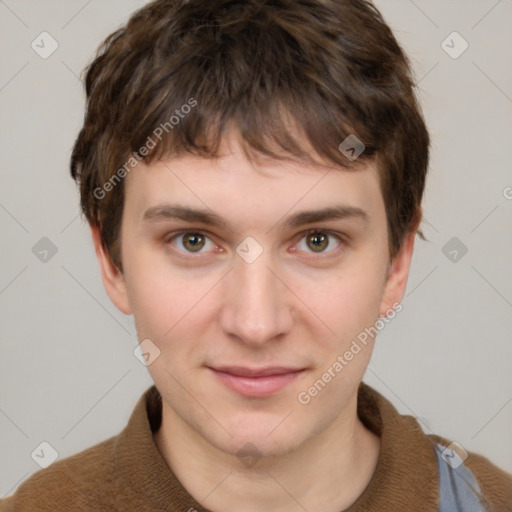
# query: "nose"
{"points": [[257, 305]]}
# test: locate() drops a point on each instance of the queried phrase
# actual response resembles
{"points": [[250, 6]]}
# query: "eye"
{"points": [[190, 241], [318, 241], [194, 241]]}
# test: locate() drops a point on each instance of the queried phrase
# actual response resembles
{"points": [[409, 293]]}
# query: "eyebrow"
{"points": [[165, 212]]}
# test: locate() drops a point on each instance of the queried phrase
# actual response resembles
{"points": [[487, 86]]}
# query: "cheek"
{"points": [[170, 306], [155, 304], [151, 303], [349, 302]]}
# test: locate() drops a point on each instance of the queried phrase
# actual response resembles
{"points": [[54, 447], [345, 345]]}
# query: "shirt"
{"points": [[415, 471]]}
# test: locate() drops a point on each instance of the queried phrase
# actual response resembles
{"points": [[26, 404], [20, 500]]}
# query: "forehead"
{"points": [[234, 189]]}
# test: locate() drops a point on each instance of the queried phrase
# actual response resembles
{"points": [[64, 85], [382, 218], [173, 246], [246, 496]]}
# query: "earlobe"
{"points": [[113, 279]]}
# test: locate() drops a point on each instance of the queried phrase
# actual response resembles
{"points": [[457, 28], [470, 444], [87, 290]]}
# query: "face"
{"points": [[250, 311]]}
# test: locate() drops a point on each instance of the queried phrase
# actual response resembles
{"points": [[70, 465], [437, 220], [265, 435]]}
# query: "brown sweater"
{"points": [[128, 473]]}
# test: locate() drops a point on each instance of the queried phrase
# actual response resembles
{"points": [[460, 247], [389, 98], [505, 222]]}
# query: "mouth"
{"points": [[256, 382]]}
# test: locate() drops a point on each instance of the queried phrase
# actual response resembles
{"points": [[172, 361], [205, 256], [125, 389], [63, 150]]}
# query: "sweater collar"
{"points": [[405, 477]]}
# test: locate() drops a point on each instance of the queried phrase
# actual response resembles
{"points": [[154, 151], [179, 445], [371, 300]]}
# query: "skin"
{"points": [[292, 306]]}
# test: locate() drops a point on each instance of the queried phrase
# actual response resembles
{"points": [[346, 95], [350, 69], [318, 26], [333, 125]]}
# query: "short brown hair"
{"points": [[332, 68]]}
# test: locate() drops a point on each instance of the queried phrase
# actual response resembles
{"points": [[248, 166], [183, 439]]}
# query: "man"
{"points": [[253, 173]]}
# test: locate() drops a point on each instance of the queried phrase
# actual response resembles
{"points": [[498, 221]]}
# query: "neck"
{"points": [[328, 473]]}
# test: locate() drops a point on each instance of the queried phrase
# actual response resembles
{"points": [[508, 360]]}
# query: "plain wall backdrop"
{"points": [[68, 375]]}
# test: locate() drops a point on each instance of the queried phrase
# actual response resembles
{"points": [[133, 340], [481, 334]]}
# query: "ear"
{"points": [[112, 277], [396, 282]]}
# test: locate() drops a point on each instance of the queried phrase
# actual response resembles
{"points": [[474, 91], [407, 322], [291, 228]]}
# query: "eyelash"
{"points": [[172, 236]]}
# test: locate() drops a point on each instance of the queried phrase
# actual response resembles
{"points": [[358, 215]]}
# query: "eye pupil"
{"points": [[197, 241], [316, 239]]}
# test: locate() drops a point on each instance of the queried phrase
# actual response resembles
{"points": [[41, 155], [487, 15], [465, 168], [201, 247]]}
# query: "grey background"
{"points": [[67, 372]]}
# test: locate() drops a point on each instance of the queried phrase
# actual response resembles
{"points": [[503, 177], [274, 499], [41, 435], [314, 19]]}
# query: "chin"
{"points": [[263, 438], [251, 449]]}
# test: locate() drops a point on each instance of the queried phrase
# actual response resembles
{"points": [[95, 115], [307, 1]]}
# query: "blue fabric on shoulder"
{"points": [[458, 488]]}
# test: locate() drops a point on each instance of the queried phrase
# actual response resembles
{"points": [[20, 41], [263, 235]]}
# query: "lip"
{"points": [[256, 382]]}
